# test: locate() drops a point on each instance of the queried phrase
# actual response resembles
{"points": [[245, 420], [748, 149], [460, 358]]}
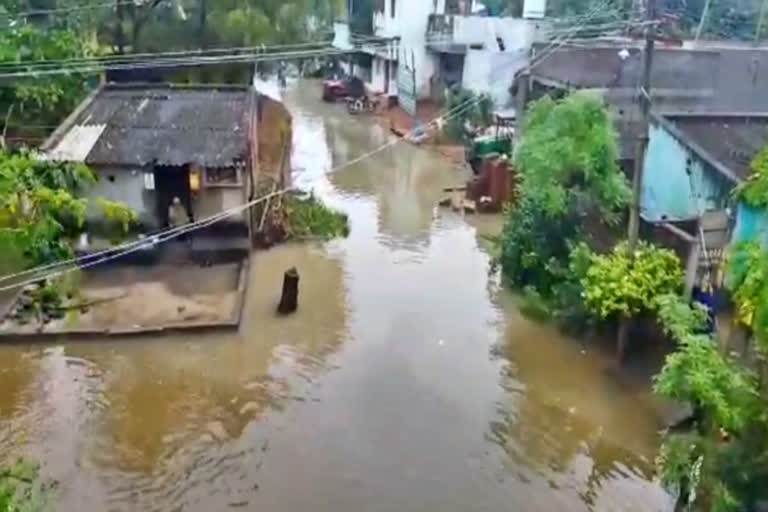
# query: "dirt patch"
{"points": [[454, 153], [136, 297]]}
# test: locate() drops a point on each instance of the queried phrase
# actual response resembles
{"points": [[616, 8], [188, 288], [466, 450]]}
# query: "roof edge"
{"points": [[695, 147], [69, 121], [113, 86], [714, 115]]}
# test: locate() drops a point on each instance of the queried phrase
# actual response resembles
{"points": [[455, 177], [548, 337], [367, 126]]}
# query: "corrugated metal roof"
{"points": [[732, 140], [77, 143], [164, 125]]}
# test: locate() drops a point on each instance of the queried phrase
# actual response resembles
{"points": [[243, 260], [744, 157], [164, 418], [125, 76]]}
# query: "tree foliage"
{"points": [[721, 462], [22, 490], [569, 182], [727, 19], [621, 283], [468, 107], [679, 318], [40, 100], [40, 205], [569, 153], [755, 190]]}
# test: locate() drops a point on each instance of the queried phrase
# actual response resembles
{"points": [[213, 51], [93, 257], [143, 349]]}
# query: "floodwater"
{"points": [[407, 380]]}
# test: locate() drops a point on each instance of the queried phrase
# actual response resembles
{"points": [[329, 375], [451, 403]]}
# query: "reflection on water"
{"points": [[407, 380]]}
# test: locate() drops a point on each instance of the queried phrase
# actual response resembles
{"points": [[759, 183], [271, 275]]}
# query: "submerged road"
{"points": [[408, 380]]}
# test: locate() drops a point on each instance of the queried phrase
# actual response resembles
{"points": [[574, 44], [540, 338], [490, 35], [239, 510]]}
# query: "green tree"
{"points": [[755, 190], [40, 100], [22, 490], [569, 183], [720, 463], [569, 153], [40, 206]]}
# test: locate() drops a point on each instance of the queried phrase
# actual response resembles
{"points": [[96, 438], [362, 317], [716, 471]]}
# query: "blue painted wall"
{"points": [[751, 223], [677, 184]]}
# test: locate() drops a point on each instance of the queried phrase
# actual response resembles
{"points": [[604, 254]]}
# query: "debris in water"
{"points": [[289, 302], [217, 430]]}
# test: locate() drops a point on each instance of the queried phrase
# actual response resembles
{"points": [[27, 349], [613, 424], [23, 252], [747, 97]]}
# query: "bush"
{"points": [[309, 217], [617, 284], [21, 489], [466, 106]]}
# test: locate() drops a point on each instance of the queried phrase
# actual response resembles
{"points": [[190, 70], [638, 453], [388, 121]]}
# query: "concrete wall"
{"points": [[212, 200], [491, 72], [127, 186], [410, 25], [677, 184], [341, 37], [490, 69], [275, 128], [517, 33], [124, 185]]}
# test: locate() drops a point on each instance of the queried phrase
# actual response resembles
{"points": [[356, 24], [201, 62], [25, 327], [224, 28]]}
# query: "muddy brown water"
{"points": [[408, 380]]}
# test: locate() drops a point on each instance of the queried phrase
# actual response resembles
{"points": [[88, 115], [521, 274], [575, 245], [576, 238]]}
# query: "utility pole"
{"points": [[760, 20], [703, 20], [644, 97], [202, 26], [119, 34]]}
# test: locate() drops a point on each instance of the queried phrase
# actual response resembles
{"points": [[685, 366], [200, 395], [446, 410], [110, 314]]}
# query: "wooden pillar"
{"points": [[691, 267]]}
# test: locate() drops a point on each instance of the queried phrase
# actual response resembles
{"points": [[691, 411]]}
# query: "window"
{"points": [[392, 7], [222, 177]]}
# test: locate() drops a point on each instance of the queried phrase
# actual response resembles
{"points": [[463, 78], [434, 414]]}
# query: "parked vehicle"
{"points": [[334, 89]]}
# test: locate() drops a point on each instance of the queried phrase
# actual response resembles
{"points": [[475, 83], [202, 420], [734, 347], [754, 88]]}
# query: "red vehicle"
{"points": [[334, 89], [343, 88]]}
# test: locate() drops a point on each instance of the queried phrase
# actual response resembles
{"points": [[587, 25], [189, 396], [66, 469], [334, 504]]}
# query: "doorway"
{"points": [[170, 182]]}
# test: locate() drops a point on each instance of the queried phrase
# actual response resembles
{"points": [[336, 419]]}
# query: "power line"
{"points": [[166, 235], [137, 56], [39, 12], [163, 236], [196, 57], [177, 62]]}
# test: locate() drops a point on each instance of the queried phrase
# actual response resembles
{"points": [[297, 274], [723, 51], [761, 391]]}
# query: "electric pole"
{"points": [[703, 20], [760, 20], [202, 24], [644, 97]]}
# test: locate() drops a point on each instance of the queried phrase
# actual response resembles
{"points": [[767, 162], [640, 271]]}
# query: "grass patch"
{"points": [[21, 489], [308, 217]]}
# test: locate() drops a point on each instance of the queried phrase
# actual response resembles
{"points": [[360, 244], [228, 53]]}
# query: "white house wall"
{"points": [[492, 72], [516, 33], [126, 186], [341, 37], [410, 25]]}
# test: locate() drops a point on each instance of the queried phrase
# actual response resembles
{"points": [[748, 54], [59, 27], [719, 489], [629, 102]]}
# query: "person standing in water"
{"points": [[177, 214]]}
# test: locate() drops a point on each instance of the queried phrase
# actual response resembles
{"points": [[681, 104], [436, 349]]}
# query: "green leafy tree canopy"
{"points": [[569, 148]]}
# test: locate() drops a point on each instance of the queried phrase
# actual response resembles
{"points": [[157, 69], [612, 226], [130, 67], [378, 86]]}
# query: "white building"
{"points": [[442, 43]]}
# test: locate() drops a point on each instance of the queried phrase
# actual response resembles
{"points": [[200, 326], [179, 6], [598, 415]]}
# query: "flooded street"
{"points": [[407, 380]]}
